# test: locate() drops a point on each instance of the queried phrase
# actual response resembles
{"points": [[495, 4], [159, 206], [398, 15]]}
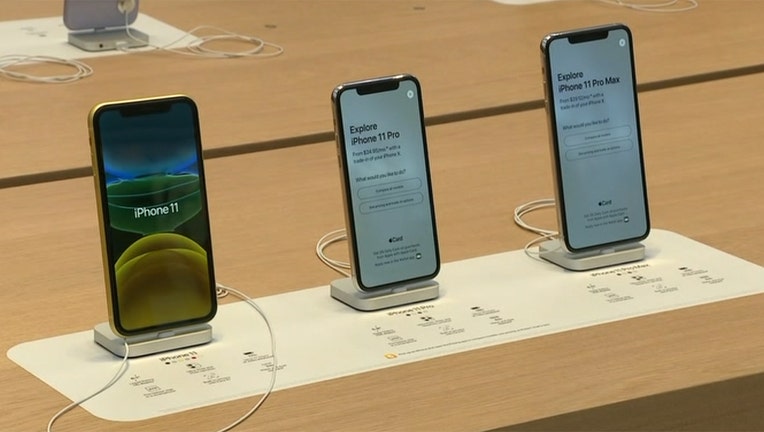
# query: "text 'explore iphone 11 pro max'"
{"points": [[152, 204], [386, 181], [595, 137]]}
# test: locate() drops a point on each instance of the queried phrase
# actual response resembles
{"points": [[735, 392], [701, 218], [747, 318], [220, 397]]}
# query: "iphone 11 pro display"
{"points": [[385, 175]]}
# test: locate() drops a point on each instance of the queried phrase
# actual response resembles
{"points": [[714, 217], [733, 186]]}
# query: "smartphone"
{"points": [[99, 14], [385, 176], [595, 138], [152, 207]]}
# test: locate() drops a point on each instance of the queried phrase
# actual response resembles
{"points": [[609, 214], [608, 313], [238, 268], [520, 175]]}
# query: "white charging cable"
{"points": [[518, 214], [123, 365], [198, 46], [327, 239], [660, 6], [9, 68], [543, 233], [221, 291], [529, 207]]}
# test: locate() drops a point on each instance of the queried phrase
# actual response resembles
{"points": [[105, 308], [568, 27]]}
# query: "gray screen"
{"points": [[388, 188], [598, 140]]}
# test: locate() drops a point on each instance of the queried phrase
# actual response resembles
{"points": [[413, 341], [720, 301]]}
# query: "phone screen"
{"points": [[388, 195], [154, 220], [592, 105]]}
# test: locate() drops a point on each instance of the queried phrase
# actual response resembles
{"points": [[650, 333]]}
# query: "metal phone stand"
{"points": [[94, 27], [553, 251], [346, 290], [152, 343], [108, 39]]}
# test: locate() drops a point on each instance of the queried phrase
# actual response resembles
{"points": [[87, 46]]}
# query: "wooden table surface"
{"points": [[474, 58], [704, 160]]}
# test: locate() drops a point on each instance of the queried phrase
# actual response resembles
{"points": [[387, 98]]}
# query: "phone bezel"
{"points": [[587, 35], [371, 86], [151, 104]]}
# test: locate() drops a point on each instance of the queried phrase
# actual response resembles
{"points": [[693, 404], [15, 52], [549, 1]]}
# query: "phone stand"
{"points": [[151, 343], [105, 40], [553, 251], [346, 291]]}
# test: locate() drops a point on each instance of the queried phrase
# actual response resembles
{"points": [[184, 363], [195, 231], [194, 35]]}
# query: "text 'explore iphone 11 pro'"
{"points": [[154, 222]]}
